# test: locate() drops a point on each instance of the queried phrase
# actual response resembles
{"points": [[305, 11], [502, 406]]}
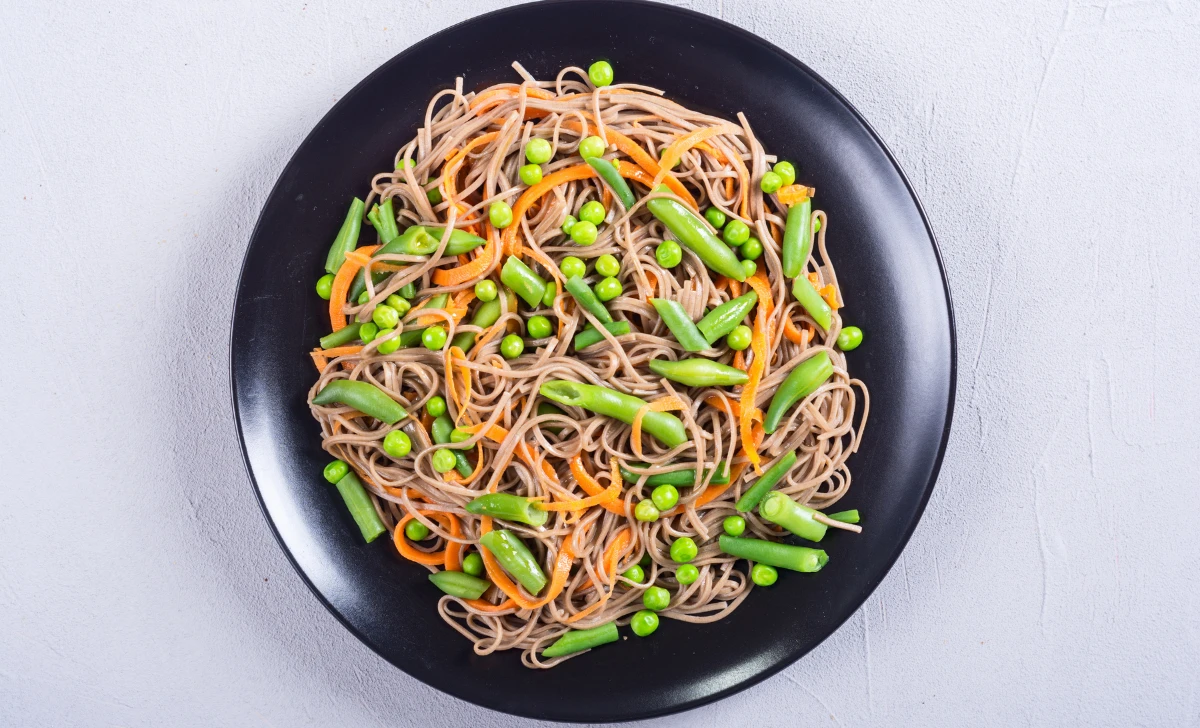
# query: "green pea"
{"points": [[416, 531], [400, 304], [385, 317], [644, 623], [645, 511], [435, 196], [434, 338], [734, 525], [549, 295], [538, 327], [715, 217], [485, 290], [786, 172], [668, 254], [665, 497], [435, 407], [572, 267], [473, 564], [751, 249], [592, 211], [600, 73], [512, 346], [817, 225], [764, 575], [683, 550], [397, 444], [770, 182], [634, 574], [687, 574], [592, 146], [656, 598], [458, 434], [444, 461], [608, 265], [736, 232], [750, 267], [739, 339], [367, 332], [388, 346], [538, 151], [608, 289], [363, 298], [500, 214], [336, 470], [530, 174], [568, 224], [849, 338], [325, 286], [583, 233]]}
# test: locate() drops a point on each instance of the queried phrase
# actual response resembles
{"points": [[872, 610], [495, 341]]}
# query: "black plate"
{"points": [[887, 262]]}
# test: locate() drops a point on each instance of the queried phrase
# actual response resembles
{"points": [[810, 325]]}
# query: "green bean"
{"points": [[677, 478], [768, 481], [441, 429], [586, 298], [680, 324], [609, 174], [725, 318], [515, 557], [801, 382], [578, 640], [812, 302], [362, 510], [693, 234], [416, 240], [364, 397], [527, 284], [408, 290], [347, 237], [342, 336], [797, 237], [510, 508], [609, 402], [383, 217], [850, 516], [801, 520], [699, 372], [592, 335], [486, 315], [458, 584], [779, 555]]}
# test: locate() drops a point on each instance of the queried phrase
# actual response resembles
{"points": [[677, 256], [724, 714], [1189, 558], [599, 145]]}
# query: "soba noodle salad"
{"points": [[589, 368]]}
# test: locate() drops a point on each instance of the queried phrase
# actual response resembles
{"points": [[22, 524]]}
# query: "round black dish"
{"points": [[887, 262]]}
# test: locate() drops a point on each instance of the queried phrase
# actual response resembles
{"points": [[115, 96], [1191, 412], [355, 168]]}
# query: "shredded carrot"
{"points": [[739, 360], [643, 159], [523, 450], [613, 553], [476, 268], [758, 345], [340, 351], [793, 194], [716, 402], [422, 557], [829, 293], [712, 151], [495, 97], [608, 495], [341, 287], [450, 171], [793, 334], [729, 186], [534, 193], [661, 405], [357, 256], [676, 149], [591, 487], [484, 606], [319, 360]]}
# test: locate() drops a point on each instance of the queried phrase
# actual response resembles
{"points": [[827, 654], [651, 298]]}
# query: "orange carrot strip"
{"points": [[320, 361], [534, 193], [643, 159], [483, 606], [495, 97], [496, 433], [407, 551], [474, 269], [661, 405], [758, 344], [714, 401], [676, 149], [590, 486], [829, 293], [793, 334], [341, 287], [793, 194], [715, 153], [340, 351], [608, 495], [497, 575]]}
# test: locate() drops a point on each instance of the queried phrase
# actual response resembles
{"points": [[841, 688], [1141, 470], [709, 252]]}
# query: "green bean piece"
{"points": [[514, 556], [666, 427], [613, 179], [592, 335], [362, 510], [459, 584], [801, 520], [724, 318], [342, 336], [809, 375], [347, 237], [417, 240], [681, 325], [509, 507], [779, 555], [699, 372], [527, 284], [693, 234], [383, 217], [677, 478], [769, 480], [850, 516], [586, 298], [410, 338], [441, 429], [812, 302], [364, 397], [797, 237], [486, 315], [578, 640]]}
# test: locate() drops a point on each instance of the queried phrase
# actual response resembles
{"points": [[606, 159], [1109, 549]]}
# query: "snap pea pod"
{"points": [[364, 397], [779, 555], [362, 510], [693, 234], [586, 298], [458, 584], [592, 335], [347, 237], [812, 302], [383, 217], [441, 429], [801, 382], [725, 318], [799, 519], [666, 427], [850, 516], [578, 640], [416, 240], [699, 372], [486, 315], [515, 558], [412, 337], [527, 284], [768, 481], [681, 325], [677, 478], [797, 237], [509, 507], [342, 336], [613, 178]]}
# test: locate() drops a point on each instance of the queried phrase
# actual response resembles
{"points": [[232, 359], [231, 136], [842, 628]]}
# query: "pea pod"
{"points": [[677, 478], [383, 217], [769, 480], [693, 234], [342, 336], [850, 516], [364, 397], [527, 284], [458, 584], [362, 510], [591, 335], [578, 640], [347, 237], [515, 558], [586, 297], [441, 429], [699, 372], [797, 238], [725, 318], [486, 315], [509, 507], [680, 324], [615, 181], [666, 427], [779, 555], [812, 302], [781, 510], [417, 240], [801, 382]]}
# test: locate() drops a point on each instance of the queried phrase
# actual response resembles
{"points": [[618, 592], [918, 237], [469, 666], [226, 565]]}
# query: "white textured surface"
{"points": [[1053, 579]]}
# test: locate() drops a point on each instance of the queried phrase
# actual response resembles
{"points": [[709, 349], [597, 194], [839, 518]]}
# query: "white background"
{"points": [[1053, 579]]}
